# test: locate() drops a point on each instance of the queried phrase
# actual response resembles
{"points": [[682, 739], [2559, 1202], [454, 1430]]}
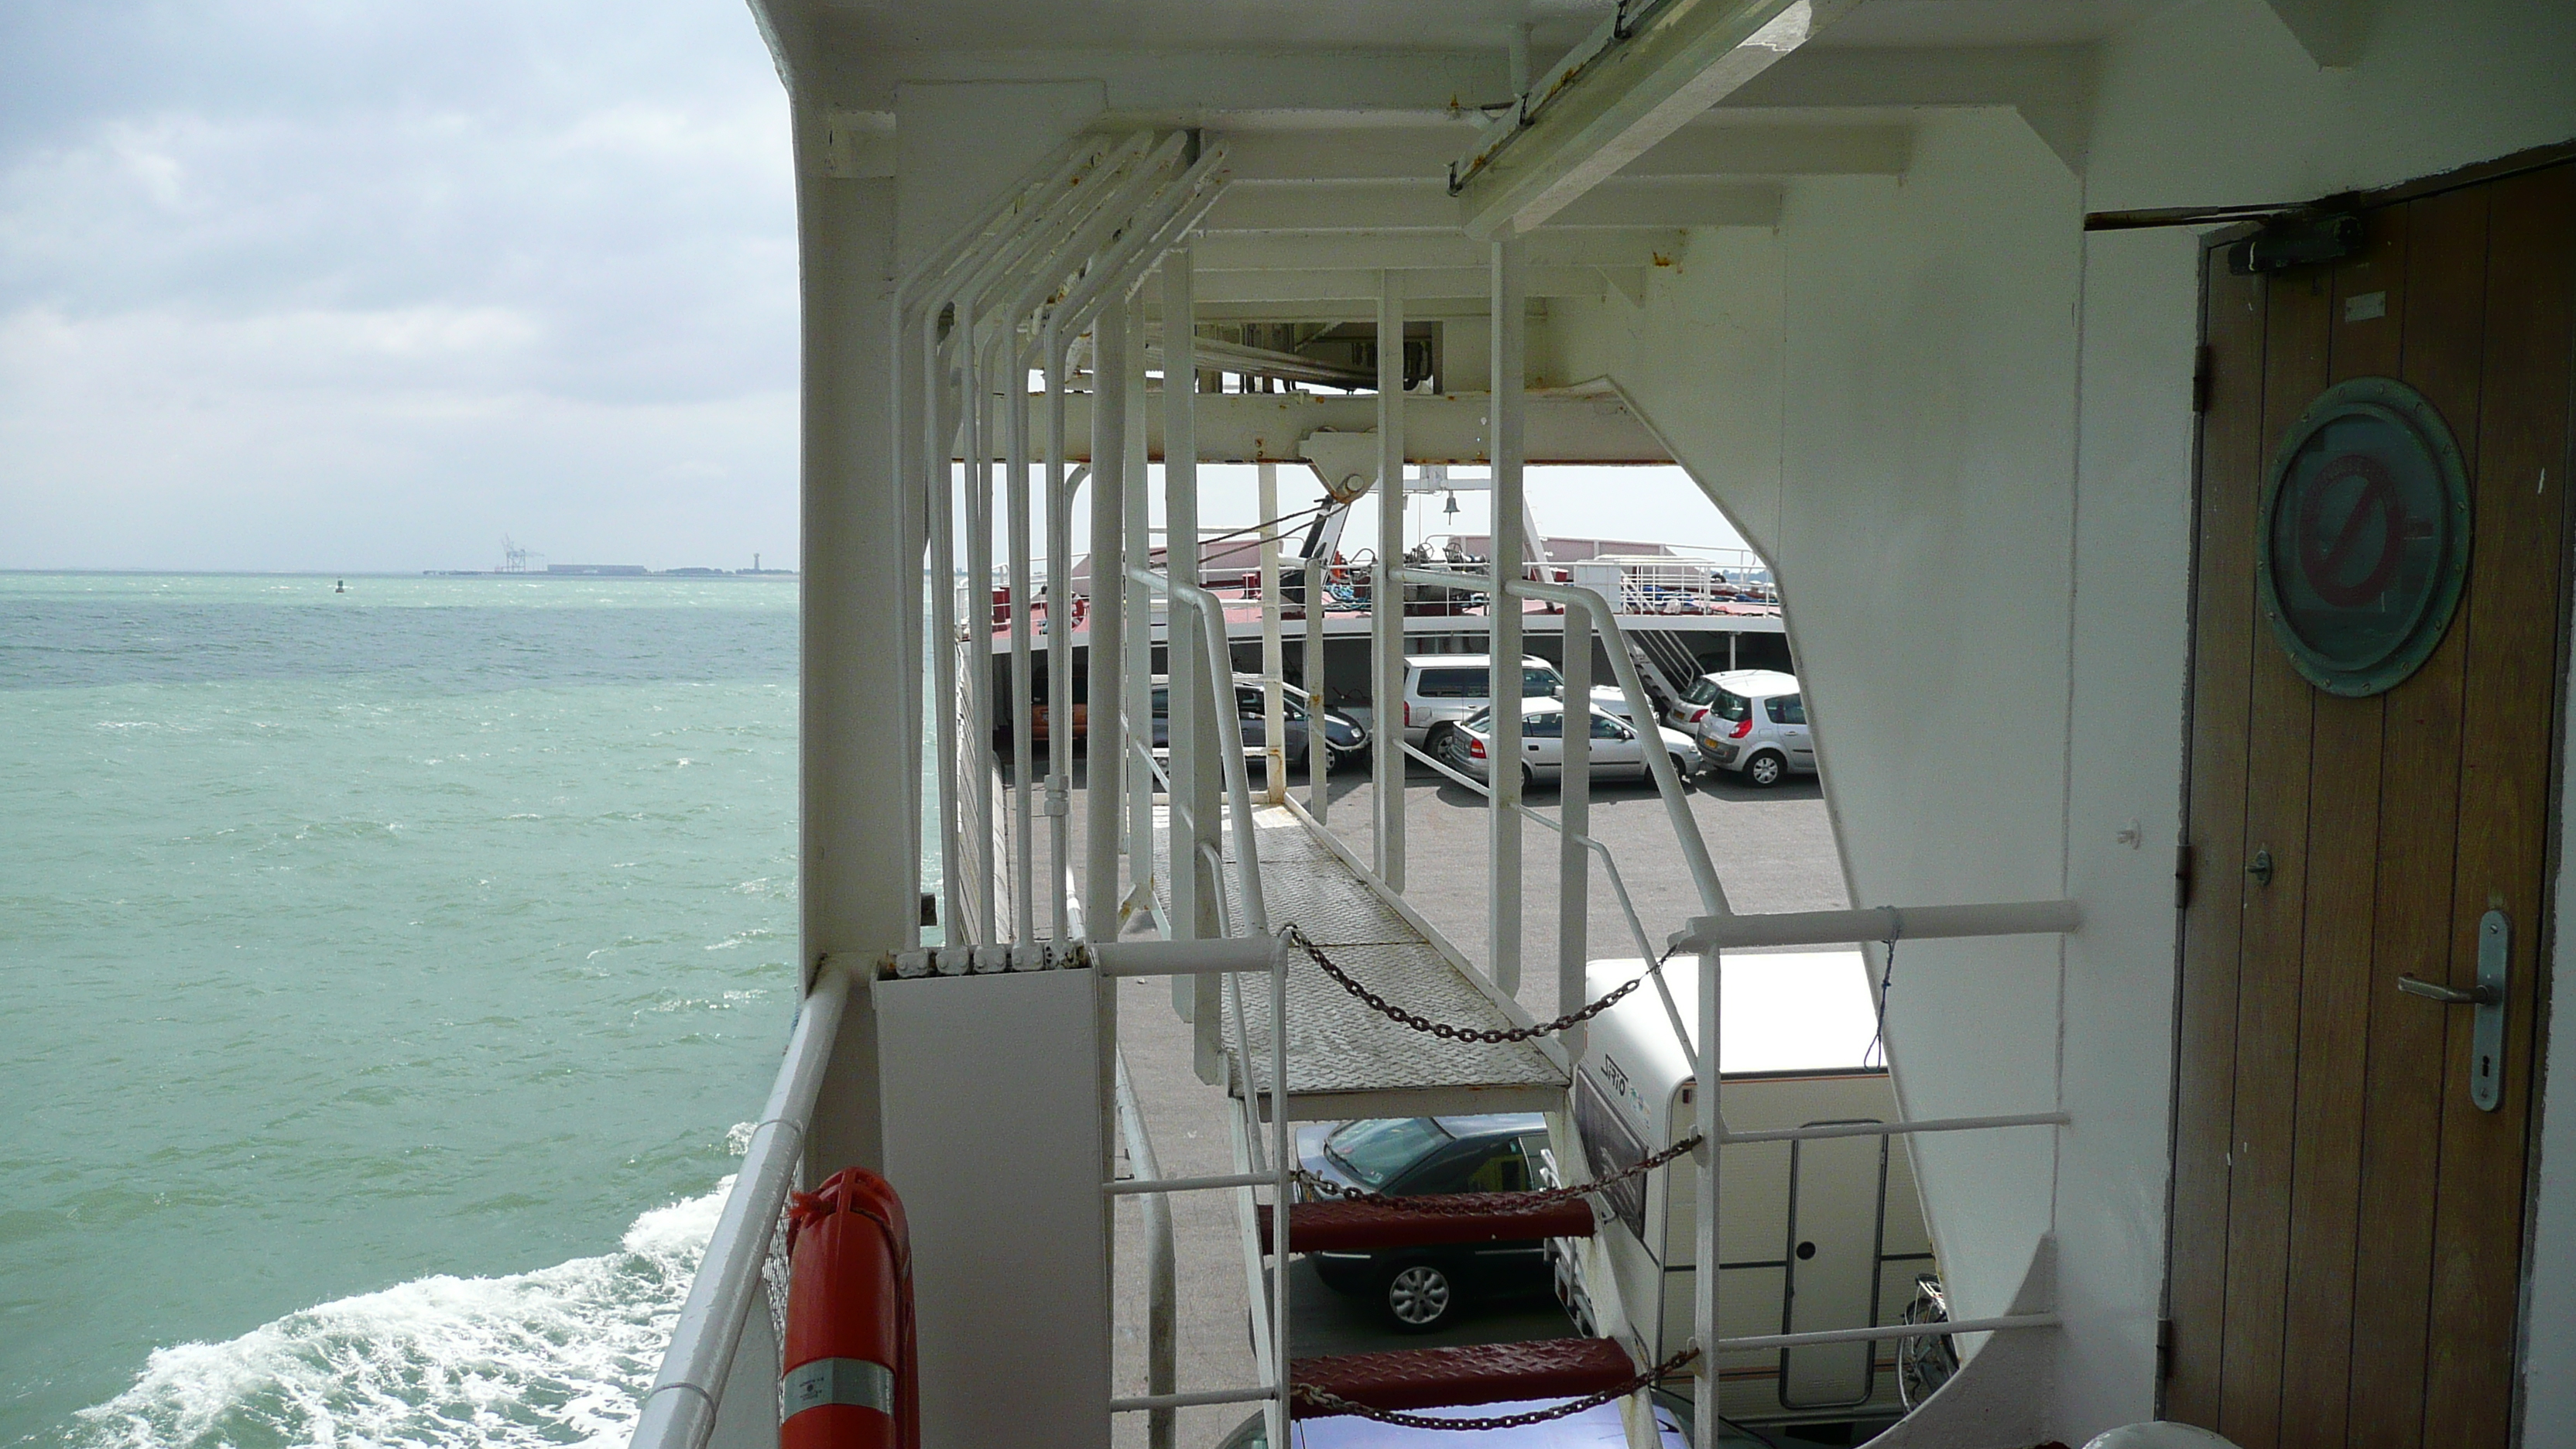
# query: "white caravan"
{"points": [[1822, 1234]]}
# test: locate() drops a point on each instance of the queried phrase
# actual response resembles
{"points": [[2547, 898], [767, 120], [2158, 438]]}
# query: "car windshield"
{"points": [[1702, 690], [1731, 706], [1375, 1151]]}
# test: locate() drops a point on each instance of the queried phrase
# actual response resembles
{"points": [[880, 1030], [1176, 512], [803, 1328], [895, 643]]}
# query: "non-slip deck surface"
{"points": [[1343, 1058]]}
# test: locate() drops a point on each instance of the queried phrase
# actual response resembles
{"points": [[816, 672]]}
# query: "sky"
{"points": [[336, 286], [295, 284]]}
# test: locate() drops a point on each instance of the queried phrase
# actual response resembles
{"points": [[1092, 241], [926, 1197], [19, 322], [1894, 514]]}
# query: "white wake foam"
{"points": [[556, 1356]]}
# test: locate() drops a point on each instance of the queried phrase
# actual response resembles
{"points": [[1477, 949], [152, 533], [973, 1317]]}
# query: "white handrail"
{"points": [[1880, 923], [1238, 779], [679, 1412]]}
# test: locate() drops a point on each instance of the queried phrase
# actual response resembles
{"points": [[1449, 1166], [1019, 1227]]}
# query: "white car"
{"points": [[1756, 725], [1442, 689], [1618, 748]]}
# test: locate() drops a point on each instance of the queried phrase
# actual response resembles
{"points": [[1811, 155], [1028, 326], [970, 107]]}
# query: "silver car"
{"points": [[1756, 725], [1442, 690], [1618, 747]]}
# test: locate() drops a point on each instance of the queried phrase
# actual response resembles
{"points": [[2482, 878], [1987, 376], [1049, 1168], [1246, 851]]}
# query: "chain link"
{"points": [[1334, 1403], [1491, 1036], [1479, 1203]]}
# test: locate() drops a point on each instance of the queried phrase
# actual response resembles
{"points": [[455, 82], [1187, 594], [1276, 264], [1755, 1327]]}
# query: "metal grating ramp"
{"points": [[1344, 1060]]}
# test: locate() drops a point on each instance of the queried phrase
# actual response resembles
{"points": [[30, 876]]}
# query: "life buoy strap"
{"points": [[856, 1382]]}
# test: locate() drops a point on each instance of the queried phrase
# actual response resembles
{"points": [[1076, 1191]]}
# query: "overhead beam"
{"points": [[1420, 250], [1308, 208], [1604, 107], [1431, 286], [2052, 87], [1438, 427], [1714, 146]]}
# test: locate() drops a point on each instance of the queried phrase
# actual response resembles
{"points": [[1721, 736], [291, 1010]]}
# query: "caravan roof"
{"points": [[1783, 1012]]}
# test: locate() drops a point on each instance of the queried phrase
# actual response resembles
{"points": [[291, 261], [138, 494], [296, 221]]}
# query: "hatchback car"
{"points": [[1440, 690], [1756, 725], [1419, 1289], [1344, 736], [1618, 747]]}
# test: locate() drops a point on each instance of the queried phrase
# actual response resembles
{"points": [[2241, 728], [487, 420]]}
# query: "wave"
{"points": [[561, 1355]]}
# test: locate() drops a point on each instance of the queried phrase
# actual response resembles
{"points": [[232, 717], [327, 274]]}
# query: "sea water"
{"points": [[387, 973]]}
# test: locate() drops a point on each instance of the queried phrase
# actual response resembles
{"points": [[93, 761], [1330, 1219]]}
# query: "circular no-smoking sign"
{"points": [[2365, 536]]}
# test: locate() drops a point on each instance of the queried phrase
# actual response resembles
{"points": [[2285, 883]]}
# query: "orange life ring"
{"points": [[850, 1379]]}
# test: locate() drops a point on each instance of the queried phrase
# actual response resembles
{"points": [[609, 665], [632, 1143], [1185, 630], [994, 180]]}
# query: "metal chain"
{"points": [[1334, 1403], [1479, 1203], [1392, 1012]]}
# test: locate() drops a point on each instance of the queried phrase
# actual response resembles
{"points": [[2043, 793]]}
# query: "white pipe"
{"points": [[1284, 1160], [1105, 735], [1704, 1239], [1191, 1400], [1137, 1187], [1274, 659], [1318, 760], [1166, 958], [1882, 923], [1386, 592], [1668, 784], [1503, 825], [1898, 1129], [1893, 1330], [679, 1412], [1161, 1285], [1238, 779], [914, 318], [1137, 703], [1574, 808]]}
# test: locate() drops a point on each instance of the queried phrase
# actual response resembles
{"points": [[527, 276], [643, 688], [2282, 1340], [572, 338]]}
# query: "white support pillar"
{"points": [[1139, 696], [1015, 493], [979, 825], [1386, 594], [1104, 738], [1704, 1425], [860, 726], [1574, 816], [1318, 675], [1274, 724], [1503, 821], [1197, 794]]}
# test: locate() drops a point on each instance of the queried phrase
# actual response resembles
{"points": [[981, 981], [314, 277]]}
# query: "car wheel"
{"points": [[1681, 769], [1765, 770], [1437, 743], [1417, 1297]]}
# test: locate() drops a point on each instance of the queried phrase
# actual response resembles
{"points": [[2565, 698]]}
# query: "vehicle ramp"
{"points": [[1345, 1060]]}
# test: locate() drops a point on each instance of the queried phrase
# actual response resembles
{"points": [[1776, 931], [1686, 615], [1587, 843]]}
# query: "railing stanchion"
{"points": [[1574, 809], [1711, 1126], [1386, 591]]}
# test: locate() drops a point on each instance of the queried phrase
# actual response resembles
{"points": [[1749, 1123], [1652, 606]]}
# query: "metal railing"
{"points": [[679, 1411]]}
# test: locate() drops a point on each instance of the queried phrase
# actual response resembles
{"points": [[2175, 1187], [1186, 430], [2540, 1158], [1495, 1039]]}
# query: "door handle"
{"points": [[2486, 1029], [2447, 995]]}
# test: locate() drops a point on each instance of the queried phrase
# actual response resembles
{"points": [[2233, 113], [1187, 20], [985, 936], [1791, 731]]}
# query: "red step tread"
{"points": [[1480, 1373], [1493, 1217]]}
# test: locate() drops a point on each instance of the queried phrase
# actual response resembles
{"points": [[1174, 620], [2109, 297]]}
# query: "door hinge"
{"points": [[2200, 379], [2182, 876]]}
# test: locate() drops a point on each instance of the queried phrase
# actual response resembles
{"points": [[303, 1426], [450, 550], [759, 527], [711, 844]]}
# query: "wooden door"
{"points": [[2346, 1251]]}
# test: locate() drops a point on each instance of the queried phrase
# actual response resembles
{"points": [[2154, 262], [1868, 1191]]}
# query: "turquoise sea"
{"points": [[387, 973]]}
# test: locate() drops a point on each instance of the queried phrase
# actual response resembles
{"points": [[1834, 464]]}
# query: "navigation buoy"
{"points": [[343, 587], [850, 1379]]}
